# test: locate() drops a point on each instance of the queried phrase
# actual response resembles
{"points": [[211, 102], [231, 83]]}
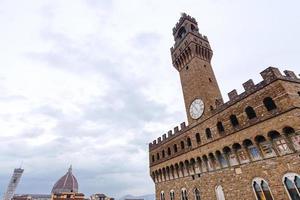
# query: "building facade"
{"points": [[245, 149]]}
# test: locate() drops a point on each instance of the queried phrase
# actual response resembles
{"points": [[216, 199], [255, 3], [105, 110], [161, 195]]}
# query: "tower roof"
{"points": [[67, 183]]}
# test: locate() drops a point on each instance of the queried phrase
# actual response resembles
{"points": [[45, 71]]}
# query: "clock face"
{"points": [[196, 108]]}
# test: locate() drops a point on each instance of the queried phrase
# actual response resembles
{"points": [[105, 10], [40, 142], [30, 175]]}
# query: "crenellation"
{"points": [[159, 140], [176, 129], [290, 74], [183, 17], [249, 85], [232, 95], [182, 126], [270, 74], [164, 137]]}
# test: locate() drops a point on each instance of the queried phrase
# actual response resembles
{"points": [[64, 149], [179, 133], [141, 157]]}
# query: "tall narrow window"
{"points": [[162, 195], [197, 194], [175, 148], [153, 159], [184, 194], [163, 153], [219, 193], [208, 133], [189, 142], [261, 189], [157, 156], [169, 151], [250, 112], [172, 195], [198, 139], [291, 183], [269, 103], [234, 121], [182, 144], [220, 127]]}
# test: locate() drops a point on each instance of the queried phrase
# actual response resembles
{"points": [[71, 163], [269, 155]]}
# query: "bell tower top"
{"points": [[191, 57], [181, 27]]}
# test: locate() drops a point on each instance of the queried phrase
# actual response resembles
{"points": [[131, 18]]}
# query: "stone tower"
{"points": [[191, 56], [13, 183]]}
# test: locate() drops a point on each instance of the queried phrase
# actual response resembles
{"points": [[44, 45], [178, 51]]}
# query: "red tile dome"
{"points": [[67, 183]]}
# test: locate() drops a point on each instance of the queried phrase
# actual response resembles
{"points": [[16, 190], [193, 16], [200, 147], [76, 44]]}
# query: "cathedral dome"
{"points": [[67, 183]]}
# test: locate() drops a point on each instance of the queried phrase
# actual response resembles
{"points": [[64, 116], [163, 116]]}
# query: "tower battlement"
{"points": [[269, 75], [183, 17]]}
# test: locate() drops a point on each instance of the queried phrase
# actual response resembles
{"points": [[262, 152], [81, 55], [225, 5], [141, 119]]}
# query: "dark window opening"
{"points": [[182, 144], [187, 67], [181, 33], [288, 130], [211, 108], [189, 142], [169, 151], [175, 148], [193, 27], [273, 135], [163, 153], [299, 93], [234, 121], [220, 127], [198, 139], [250, 112], [153, 159], [269, 103], [157, 156], [209, 79], [208, 133]]}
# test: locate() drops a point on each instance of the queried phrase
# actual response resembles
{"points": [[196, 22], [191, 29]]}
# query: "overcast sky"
{"points": [[90, 83]]}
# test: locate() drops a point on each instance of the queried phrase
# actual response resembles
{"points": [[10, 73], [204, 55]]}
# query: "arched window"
{"points": [[193, 27], [273, 135], [153, 158], [208, 133], [220, 127], [182, 144], [184, 195], [291, 183], [169, 151], [163, 153], [234, 121], [288, 130], [181, 32], [269, 103], [219, 193], [198, 139], [261, 189], [175, 148], [253, 150], [197, 194], [162, 195], [221, 159], [250, 112], [172, 195], [157, 156], [189, 142]]}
